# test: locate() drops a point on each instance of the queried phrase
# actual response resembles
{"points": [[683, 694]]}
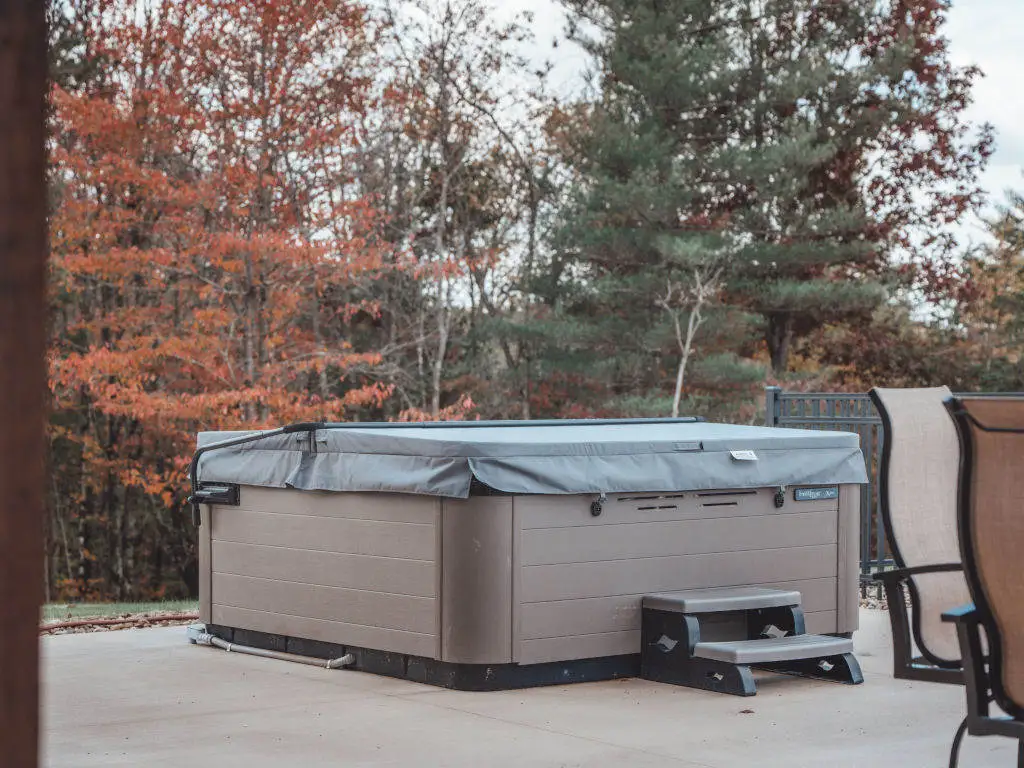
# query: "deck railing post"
{"points": [[771, 406]]}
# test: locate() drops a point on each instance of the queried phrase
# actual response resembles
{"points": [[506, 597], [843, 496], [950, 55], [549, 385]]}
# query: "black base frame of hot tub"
{"points": [[460, 677]]}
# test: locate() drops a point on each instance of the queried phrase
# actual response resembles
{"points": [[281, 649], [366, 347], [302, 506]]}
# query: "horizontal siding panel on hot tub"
{"points": [[383, 507], [376, 609], [580, 646], [620, 613], [414, 541], [331, 569], [625, 541], [659, 574]]}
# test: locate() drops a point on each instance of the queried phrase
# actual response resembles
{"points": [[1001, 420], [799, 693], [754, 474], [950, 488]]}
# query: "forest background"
{"points": [[266, 211]]}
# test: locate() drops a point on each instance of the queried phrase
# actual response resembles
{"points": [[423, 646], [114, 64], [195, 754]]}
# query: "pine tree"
{"points": [[770, 149]]}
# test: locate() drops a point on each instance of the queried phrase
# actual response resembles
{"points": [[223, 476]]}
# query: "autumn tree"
{"points": [[454, 169], [207, 206], [990, 309]]}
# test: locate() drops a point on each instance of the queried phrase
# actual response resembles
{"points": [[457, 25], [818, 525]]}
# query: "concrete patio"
{"points": [[147, 698]]}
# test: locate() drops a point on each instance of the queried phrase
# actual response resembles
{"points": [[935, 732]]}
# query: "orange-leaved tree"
{"points": [[210, 247]]}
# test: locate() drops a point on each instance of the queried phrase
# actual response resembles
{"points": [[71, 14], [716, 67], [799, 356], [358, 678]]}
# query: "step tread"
{"points": [[774, 649], [720, 599]]}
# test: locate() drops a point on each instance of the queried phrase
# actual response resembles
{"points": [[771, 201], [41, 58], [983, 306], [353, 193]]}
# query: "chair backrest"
{"points": [[918, 501], [991, 522]]}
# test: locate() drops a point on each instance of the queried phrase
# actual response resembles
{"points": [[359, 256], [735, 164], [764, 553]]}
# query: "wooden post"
{"points": [[23, 389]]}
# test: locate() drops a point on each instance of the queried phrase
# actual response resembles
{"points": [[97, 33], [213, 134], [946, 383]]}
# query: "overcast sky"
{"points": [[989, 33]]}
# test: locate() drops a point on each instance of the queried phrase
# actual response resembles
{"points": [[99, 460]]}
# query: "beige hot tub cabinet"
{"points": [[495, 555]]}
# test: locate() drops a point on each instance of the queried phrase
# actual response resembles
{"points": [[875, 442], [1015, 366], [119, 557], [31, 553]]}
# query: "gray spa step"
{"points": [[774, 649], [720, 599]]}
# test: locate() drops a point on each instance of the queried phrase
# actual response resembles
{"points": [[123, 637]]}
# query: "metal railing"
{"points": [[846, 413]]}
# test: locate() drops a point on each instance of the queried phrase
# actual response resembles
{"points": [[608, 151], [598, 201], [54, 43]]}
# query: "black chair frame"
{"points": [[982, 669], [899, 585]]}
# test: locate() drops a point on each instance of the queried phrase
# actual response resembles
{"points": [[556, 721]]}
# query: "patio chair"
{"points": [[917, 484], [991, 523]]}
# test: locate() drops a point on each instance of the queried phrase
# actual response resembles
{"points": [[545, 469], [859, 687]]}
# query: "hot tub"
{"points": [[502, 554]]}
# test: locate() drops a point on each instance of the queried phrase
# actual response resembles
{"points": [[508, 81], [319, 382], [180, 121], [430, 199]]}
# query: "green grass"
{"points": [[71, 611]]}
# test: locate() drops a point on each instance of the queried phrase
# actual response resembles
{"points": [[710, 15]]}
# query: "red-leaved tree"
{"points": [[210, 250]]}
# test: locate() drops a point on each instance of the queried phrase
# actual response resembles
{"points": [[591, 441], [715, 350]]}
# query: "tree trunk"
{"points": [[444, 322], [705, 286], [58, 517], [321, 345], [113, 513], [780, 336], [440, 239], [686, 347], [421, 341], [23, 386], [157, 570], [84, 564], [527, 385], [531, 230], [250, 332]]}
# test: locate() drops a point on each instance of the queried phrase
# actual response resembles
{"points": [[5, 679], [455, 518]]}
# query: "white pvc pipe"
{"points": [[197, 634]]}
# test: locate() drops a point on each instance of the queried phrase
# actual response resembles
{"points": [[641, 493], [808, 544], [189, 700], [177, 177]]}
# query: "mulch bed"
{"points": [[125, 621]]}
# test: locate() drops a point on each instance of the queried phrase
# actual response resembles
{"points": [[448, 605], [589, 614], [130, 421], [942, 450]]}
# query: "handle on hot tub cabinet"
{"points": [[226, 494]]}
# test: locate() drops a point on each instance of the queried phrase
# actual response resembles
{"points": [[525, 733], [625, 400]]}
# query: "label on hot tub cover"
{"points": [[743, 455], [816, 494]]}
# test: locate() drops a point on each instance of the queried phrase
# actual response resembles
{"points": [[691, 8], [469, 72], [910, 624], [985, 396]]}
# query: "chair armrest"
{"points": [[901, 574], [964, 614]]}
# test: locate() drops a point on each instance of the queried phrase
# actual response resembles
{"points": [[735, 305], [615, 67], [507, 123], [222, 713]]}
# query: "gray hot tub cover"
{"points": [[546, 459]]}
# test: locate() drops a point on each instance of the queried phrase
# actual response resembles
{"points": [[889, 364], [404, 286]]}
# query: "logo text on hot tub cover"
{"points": [[816, 494]]}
